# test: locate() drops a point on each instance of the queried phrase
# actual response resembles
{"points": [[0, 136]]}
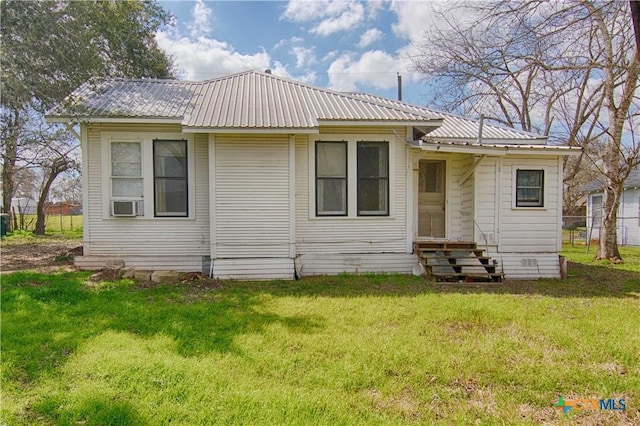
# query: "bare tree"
{"points": [[566, 69], [51, 149]]}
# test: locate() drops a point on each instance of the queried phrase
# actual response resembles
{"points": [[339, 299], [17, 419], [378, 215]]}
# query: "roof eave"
{"points": [[502, 150]]}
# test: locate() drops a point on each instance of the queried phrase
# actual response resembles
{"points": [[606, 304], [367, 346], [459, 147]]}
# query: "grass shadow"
{"points": [[47, 317], [582, 281]]}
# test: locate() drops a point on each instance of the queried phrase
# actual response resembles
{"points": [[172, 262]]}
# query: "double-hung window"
{"points": [[331, 178], [126, 170], [529, 188], [373, 178], [170, 178]]}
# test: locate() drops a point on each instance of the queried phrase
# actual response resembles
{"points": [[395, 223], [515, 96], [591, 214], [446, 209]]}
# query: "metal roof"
{"points": [[456, 128], [632, 181], [247, 100], [122, 98]]}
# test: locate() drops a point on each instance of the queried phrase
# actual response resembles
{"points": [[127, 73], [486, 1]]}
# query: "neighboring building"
{"points": [[62, 208], [256, 176], [628, 212]]}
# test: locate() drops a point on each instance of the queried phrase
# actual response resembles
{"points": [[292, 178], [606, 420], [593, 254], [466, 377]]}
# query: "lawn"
{"points": [[369, 349]]}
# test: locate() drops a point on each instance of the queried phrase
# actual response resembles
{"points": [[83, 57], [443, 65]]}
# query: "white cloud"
{"points": [[413, 18], [370, 36], [204, 58], [304, 56], [201, 23], [326, 17], [374, 68]]}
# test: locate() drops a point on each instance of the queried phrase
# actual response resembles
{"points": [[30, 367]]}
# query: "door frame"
{"points": [[446, 158]]}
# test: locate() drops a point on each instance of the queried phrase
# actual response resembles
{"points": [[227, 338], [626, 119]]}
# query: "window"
{"points": [[373, 179], [331, 178], [126, 170], [596, 211], [170, 178], [529, 188]]}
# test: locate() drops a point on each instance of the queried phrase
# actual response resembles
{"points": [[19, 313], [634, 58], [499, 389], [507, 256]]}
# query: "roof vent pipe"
{"points": [[267, 71], [480, 128], [399, 87]]}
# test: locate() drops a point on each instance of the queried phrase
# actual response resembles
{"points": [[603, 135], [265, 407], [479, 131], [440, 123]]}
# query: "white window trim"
{"points": [[146, 143], [514, 187], [352, 175]]}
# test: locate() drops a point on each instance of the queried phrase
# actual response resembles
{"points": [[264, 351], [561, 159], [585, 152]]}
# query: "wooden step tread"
{"points": [[460, 274]]}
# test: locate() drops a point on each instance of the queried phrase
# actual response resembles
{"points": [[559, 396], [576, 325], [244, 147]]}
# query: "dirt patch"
{"points": [[42, 255]]}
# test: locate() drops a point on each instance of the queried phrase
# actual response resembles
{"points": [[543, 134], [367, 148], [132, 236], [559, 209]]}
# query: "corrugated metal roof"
{"points": [[124, 98], [455, 127], [240, 101]]}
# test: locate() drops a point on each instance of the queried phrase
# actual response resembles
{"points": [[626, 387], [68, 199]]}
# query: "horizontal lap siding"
{"points": [[628, 222], [253, 269], [523, 266], [121, 237], [529, 230], [328, 264], [152, 263], [350, 235], [252, 196]]}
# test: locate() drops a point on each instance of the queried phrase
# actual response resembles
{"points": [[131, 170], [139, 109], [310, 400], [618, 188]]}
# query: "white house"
{"points": [[256, 176], [628, 213]]}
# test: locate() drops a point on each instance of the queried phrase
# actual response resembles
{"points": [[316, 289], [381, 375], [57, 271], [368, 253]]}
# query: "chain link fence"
{"points": [[585, 230]]}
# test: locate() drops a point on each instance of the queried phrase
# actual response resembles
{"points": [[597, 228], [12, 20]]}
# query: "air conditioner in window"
{"points": [[124, 208]]}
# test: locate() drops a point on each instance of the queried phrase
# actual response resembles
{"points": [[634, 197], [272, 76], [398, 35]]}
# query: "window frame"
{"points": [[529, 205], [359, 178], [596, 224], [138, 199], [345, 178], [156, 214]]}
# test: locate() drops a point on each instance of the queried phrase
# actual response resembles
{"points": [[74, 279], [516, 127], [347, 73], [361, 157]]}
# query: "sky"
{"points": [[340, 45]]}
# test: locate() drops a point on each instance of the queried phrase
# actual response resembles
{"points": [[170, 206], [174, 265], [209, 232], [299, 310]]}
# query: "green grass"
{"points": [[369, 349], [630, 256], [54, 223]]}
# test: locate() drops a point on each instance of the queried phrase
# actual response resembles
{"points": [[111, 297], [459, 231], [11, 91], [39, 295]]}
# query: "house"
{"points": [[628, 226], [256, 176]]}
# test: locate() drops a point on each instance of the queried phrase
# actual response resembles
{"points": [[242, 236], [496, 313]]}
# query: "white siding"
{"points": [[628, 222], [468, 199], [129, 237], [331, 264], [529, 230], [254, 269], [487, 193], [151, 263], [252, 196], [350, 234], [527, 266]]}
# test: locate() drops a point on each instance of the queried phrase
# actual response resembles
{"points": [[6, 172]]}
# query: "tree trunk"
{"points": [[9, 158], [608, 247], [44, 194]]}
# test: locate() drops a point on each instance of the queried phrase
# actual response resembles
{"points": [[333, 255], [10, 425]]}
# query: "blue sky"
{"points": [[341, 45]]}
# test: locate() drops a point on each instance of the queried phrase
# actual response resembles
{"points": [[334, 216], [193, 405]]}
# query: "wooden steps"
{"points": [[456, 261]]}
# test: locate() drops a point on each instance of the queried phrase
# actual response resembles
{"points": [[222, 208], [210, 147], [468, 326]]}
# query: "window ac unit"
{"points": [[124, 208]]}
